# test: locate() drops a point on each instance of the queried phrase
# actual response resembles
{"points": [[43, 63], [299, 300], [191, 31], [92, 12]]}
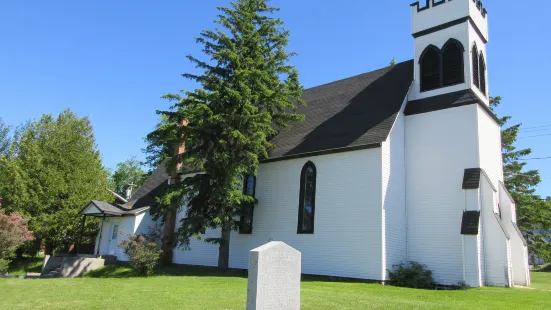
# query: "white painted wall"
{"points": [[394, 196], [348, 234], [496, 244], [464, 33], [489, 146], [440, 145], [438, 15], [471, 246], [519, 252]]}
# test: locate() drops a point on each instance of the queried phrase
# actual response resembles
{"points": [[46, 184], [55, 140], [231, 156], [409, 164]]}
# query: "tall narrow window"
{"points": [[246, 224], [307, 203], [474, 55], [482, 65], [452, 63], [430, 68]]}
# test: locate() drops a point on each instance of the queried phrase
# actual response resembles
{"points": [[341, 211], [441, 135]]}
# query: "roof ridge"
{"points": [[357, 75]]}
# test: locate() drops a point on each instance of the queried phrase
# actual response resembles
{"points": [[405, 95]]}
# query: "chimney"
{"points": [[180, 150]]}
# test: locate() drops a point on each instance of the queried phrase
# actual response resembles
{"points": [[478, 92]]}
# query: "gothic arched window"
{"points": [[474, 55], [307, 203], [482, 66], [430, 68], [246, 223], [452, 63]]}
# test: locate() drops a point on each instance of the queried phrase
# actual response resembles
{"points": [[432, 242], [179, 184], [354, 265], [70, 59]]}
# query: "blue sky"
{"points": [[112, 60]]}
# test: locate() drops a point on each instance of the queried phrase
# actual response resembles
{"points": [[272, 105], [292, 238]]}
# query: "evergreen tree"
{"points": [[393, 61], [54, 171], [533, 213], [128, 176], [248, 90]]}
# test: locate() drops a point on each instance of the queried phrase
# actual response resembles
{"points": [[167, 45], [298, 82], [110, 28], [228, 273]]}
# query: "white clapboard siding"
{"points": [[347, 238], [394, 197], [440, 145]]}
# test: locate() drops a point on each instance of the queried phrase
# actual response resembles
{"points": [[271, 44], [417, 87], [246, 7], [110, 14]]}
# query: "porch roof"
{"points": [[101, 209]]}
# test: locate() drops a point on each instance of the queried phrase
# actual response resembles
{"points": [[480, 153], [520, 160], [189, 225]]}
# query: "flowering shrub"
{"points": [[144, 252], [13, 233]]}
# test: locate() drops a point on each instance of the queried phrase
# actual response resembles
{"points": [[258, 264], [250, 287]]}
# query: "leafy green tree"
{"points": [[5, 140], [248, 90], [533, 213], [128, 176], [56, 169]]}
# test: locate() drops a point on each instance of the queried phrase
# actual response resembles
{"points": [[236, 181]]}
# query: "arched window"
{"points": [[474, 55], [482, 65], [452, 63], [430, 68], [246, 223], [307, 204]]}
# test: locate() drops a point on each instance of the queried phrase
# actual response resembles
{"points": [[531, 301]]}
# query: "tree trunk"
{"points": [[168, 242], [49, 248], [224, 249]]}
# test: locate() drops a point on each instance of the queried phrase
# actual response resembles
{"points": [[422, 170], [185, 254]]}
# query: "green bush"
{"points": [[144, 252], [4, 264], [412, 275]]}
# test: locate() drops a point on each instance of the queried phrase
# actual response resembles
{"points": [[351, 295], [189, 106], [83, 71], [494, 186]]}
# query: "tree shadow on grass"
{"points": [[25, 264], [125, 271]]}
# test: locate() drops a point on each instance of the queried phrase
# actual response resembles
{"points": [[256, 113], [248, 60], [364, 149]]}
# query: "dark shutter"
{"points": [[482, 65], [430, 69], [474, 54], [452, 63]]}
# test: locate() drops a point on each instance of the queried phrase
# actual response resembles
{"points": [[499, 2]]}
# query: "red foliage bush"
{"points": [[13, 233]]}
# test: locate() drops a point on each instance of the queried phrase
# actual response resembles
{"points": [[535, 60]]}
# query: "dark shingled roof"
{"points": [[446, 101], [143, 198], [154, 186], [353, 112]]}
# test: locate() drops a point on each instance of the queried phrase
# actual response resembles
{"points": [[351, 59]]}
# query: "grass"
{"points": [[20, 267], [203, 288]]}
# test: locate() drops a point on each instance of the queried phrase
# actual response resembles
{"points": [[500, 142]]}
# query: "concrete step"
{"points": [[55, 274]]}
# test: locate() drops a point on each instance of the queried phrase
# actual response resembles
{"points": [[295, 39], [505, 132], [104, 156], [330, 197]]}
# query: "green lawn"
{"points": [[187, 288]]}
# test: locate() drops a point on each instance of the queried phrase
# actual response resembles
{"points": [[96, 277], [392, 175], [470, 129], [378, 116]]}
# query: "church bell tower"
{"points": [[450, 48]]}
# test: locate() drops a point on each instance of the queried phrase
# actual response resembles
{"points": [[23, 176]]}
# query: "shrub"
{"points": [[4, 264], [461, 285], [13, 234], [412, 275], [144, 252]]}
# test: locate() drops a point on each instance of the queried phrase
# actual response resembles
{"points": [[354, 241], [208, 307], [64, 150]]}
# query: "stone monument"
{"points": [[274, 277]]}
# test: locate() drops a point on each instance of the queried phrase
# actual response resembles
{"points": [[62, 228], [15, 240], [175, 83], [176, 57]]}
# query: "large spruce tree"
{"points": [[248, 91], [54, 169], [533, 213]]}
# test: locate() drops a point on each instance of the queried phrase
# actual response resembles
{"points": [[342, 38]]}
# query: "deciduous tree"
{"points": [[55, 170]]}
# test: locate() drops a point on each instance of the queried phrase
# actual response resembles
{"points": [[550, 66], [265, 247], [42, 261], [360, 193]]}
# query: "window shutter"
{"points": [[452, 63], [476, 80], [482, 65], [430, 70]]}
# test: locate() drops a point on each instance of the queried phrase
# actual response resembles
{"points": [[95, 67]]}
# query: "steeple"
{"points": [[450, 47]]}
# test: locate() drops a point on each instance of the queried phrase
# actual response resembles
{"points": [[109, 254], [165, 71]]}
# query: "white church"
{"points": [[395, 165]]}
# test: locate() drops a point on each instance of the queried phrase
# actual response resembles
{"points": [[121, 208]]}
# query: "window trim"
{"points": [[309, 164], [249, 231]]}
